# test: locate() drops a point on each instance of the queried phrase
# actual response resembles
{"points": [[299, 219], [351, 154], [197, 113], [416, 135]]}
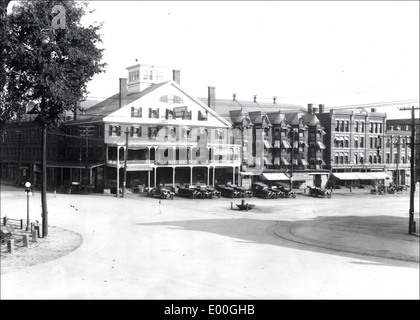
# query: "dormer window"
{"points": [[134, 76]]}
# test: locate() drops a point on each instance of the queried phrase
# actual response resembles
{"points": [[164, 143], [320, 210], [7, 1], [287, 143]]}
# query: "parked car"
{"points": [[160, 192], [379, 189], [215, 193], [188, 191], [287, 192], [227, 191], [262, 190], [318, 192], [244, 192], [203, 192]]}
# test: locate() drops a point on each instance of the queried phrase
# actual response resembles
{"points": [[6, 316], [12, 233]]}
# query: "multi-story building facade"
{"points": [[286, 141], [398, 151]]}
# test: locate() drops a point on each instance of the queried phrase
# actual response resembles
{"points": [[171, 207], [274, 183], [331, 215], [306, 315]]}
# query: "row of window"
{"points": [[146, 75], [372, 159], [359, 126], [137, 112]]}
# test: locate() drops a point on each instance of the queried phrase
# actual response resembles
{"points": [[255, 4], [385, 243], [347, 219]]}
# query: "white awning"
{"points": [[286, 144], [321, 145], [345, 175], [267, 144], [379, 175], [274, 176], [284, 161]]}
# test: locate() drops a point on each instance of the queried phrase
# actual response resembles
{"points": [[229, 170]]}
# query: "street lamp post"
{"points": [[27, 190]]}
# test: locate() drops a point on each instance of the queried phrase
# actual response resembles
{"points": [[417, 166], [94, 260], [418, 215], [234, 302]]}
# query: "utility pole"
{"points": [[411, 222], [125, 161], [86, 131]]}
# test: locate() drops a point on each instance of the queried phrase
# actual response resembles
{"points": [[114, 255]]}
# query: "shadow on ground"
{"points": [[379, 239]]}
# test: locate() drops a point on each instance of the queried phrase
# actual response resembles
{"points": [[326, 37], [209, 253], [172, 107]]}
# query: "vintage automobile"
{"points": [[227, 191], [160, 192], [287, 192], [397, 189], [203, 192], [188, 191], [318, 192], [214, 193], [263, 191], [378, 189], [277, 191], [244, 191]]}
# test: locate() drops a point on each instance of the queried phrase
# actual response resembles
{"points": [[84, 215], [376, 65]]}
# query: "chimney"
{"points": [[234, 96], [314, 110], [274, 99], [176, 76], [321, 108], [211, 98], [255, 98], [373, 109], [310, 108], [123, 90]]}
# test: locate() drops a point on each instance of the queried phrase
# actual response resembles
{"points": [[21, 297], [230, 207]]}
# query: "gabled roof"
{"points": [[106, 107]]}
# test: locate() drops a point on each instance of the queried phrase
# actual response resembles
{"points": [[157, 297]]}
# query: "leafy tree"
{"points": [[48, 63]]}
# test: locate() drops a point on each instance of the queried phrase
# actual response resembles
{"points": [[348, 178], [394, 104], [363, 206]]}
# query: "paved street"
{"points": [[352, 246]]}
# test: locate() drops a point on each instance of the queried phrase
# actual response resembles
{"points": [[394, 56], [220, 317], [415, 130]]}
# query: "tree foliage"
{"points": [[46, 66]]}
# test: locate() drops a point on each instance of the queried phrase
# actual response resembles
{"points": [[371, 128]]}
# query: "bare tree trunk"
{"points": [[44, 182]]}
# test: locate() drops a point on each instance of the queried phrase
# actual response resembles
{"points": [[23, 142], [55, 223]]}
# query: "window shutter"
{"points": [[139, 131], [150, 112], [157, 112], [110, 130], [140, 112], [132, 111]]}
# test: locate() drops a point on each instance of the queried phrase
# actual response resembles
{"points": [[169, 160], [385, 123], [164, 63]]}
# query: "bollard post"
{"points": [[34, 236], [231, 205], [4, 221], [21, 224], [25, 240], [10, 245], [37, 231]]}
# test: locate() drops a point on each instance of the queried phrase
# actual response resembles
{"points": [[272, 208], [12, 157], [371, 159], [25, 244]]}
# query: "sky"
{"points": [[337, 53]]}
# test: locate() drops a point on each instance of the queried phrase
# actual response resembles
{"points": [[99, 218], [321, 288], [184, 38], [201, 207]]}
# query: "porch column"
{"points": [[148, 178], [62, 179], [191, 174], [208, 175], [71, 175], [233, 175], [118, 171], [154, 182], [214, 173], [173, 177]]}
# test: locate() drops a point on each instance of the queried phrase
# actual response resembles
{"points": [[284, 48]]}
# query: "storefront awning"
{"points": [[345, 176], [379, 175], [304, 162], [284, 161], [274, 176], [360, 175]]}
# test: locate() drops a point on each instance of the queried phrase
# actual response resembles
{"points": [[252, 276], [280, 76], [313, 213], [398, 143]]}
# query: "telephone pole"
{"points": [[125, 161], [86, 131], [411, 222]]}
